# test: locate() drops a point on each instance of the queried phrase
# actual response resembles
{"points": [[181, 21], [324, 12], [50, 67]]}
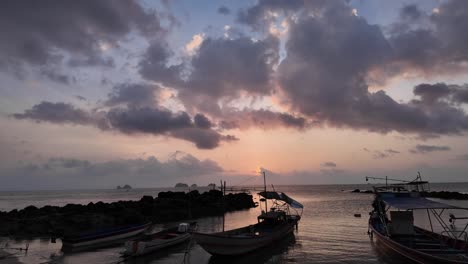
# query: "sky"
{"points": [[95, 94]]}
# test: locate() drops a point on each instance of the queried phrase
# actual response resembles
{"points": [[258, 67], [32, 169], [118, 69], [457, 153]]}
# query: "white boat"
{"points": [[165, 238], [102, 237]]}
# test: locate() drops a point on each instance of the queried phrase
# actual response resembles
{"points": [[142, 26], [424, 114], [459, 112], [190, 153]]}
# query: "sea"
{"points": [[329, 231]]}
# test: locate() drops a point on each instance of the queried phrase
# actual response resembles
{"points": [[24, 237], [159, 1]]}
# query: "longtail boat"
{"points": [[392, 224], [273, 225]]}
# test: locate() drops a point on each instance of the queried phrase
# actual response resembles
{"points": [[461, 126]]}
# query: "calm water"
{"points": [[328, 231]]}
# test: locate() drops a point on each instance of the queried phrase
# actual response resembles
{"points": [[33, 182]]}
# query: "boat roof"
{"points": [[283, 197], [408, 203]]}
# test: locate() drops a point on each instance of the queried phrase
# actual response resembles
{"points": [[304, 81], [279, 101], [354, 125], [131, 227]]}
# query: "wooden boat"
{"points": [[163, 239], [272, 226], [398, 234], [102, 237]]}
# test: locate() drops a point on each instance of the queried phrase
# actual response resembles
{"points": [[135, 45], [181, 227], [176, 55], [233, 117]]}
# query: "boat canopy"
{"points": [[408, 203], [283, 197]]}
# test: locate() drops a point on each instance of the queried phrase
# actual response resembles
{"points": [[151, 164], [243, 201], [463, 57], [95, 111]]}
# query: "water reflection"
{"points": [[271, 254], [386, 256]]}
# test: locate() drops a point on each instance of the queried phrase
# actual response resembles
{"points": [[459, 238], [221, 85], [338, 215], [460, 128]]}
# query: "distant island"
{"points": [[212, 185], [125, 187], [181, 185], [194, 185]]}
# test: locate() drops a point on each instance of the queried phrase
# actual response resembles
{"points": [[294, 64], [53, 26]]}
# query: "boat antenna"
{"points": [[265, 189]]}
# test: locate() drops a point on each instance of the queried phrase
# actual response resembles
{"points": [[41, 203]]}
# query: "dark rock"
{"points": [[356, 191], [75, 218]]}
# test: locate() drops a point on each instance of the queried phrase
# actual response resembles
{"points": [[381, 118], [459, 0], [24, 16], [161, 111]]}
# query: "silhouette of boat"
{"points": [[102, 237], [163, 239], [272, 226]]}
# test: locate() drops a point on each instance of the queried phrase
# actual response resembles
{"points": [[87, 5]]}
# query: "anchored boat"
{"points": [[392, 224], [163, 239], [272, 226]]}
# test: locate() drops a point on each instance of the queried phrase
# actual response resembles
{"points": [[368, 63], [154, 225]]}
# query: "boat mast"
{"points": [[264, 188]]}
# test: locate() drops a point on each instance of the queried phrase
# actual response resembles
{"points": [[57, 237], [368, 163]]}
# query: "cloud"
{"points": [[410, 12], [378, 154], [435, 93], [58, 113], [138, 94], [223, 68], [328, 83], [223, 10], [423, 149], [155, 65], [328, 164], [40, 34], [266, 119], [131, 120], [265, 11], [62, 172], [194, 44], [430, 93], [56, 76]]}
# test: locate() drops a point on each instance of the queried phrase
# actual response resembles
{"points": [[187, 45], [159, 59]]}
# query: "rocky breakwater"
{"points": [[74, 218], [446, 195]]}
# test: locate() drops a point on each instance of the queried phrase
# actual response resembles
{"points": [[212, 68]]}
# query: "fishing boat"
{"points": [[163, 239], [102, 237], [271, 226], [392, 224]]}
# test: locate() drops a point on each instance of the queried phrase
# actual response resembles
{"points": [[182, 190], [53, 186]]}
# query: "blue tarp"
{"points": [[407, 203]]}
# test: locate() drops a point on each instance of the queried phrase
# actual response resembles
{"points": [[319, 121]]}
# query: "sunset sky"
{"points": [[95, 94]]}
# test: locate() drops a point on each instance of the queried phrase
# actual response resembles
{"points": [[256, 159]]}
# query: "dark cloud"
{"points": [[202, 121], [328, 164], [146, 120], [423, 149], [431, 92], [132, 120], [56, 76], [155, 65], [223, 68], [203, 138], [224, 10], [410, 12], [266, 119], [58, 113], [133, 95], [48, 32], [328, 83]]}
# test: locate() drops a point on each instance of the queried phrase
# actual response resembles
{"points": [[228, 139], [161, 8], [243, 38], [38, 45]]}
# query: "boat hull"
{"points": [[105, 238], [410, 253], [138, 248], [219, 245]]}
